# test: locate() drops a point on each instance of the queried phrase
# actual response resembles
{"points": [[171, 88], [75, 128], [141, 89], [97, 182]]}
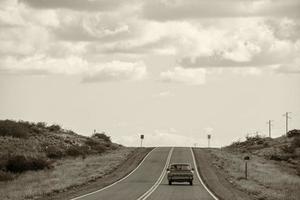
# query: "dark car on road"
{"points": [[180, 172]]}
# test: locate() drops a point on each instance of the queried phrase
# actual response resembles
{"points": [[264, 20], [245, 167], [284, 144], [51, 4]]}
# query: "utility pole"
{"points": [[270, 127], [287, 117]]}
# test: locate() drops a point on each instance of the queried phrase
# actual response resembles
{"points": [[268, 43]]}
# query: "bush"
{"points": [[95, 145], [288, 149], [298, 170], [20, 163], [102, 136], [54, 152], [6, 176], [293, 133], [14, 129], [278, 157], [54, 128], [77, 151], [41, 124]]}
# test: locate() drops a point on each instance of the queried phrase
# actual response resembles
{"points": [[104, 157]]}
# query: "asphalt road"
{"points": [[149, 180]]}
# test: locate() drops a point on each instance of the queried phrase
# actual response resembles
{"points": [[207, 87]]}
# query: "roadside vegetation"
{"points": [[274, 166], [38, 159]]}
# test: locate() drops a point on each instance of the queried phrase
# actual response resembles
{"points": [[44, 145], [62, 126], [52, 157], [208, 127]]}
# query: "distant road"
{"points": [[149, 180]]}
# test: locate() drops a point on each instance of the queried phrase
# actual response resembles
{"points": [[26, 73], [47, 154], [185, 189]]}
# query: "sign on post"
{"points": [[208, 140], [142, 137], [246, 158]]}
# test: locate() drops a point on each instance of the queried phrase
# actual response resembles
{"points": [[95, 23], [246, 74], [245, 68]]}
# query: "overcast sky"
{"points": [[174, 70]]}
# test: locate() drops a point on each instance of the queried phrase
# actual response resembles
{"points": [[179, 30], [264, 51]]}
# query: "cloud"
{"points": [[117, 71], [162, 10], [90, 27], [73, 65], [291, 68], [186, 76], [81, 5], [41, 31], [163, 94]]}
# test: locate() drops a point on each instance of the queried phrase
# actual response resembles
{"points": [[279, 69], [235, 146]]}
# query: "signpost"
{"points": [[246, 158], [208, 138], [142, 137]]}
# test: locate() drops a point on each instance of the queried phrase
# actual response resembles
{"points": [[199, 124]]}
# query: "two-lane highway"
{"points": [[181, 191], [149, 180]]}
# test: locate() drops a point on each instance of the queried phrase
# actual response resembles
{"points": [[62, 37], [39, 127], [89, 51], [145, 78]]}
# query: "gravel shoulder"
{"points": [[216, 179], [115, 174], [223, 172], [71, 177]]}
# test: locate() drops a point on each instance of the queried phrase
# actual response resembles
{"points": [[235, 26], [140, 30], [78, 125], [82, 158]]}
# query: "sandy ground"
{"points": [[71, 177], [223, 171]]}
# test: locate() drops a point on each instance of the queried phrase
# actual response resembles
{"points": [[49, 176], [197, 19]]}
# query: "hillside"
{"points": [[39, 161], [33, 146], [273, 168], [284, 149]]}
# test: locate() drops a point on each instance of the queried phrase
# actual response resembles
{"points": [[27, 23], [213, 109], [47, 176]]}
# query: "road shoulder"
{"points": [[214, 179], [121, 171]]}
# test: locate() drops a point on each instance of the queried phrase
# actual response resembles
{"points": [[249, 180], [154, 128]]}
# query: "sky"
{"points": [[173, 70]]}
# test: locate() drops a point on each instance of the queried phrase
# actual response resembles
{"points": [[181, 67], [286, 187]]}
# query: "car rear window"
{"points": [[180, 167]]}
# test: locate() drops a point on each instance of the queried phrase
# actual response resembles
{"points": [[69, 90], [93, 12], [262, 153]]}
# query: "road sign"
{"points": [[142, 136], [208, 136]]}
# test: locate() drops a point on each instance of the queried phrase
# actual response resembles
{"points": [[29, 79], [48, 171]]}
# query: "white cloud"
{"points": [[163, 10], [73, 65], [116, 71], [186, 76], [163, 94], [194, 39]]}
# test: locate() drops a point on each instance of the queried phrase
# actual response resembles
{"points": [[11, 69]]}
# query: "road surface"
{"points": [[149, 180]]}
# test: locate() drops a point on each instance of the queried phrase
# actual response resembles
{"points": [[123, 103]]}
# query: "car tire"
{"points": [[170, 182], [191, 182]]}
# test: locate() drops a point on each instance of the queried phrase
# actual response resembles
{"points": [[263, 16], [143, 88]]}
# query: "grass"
{"points": [[266, 179], [64, 174]]}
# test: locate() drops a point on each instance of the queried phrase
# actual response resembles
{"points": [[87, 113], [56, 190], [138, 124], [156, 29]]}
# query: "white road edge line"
{"points": [[159, 180], [199, 177], [118, 180]]}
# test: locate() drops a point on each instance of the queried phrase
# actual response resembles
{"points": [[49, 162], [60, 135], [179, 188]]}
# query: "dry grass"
{"points": [[65, 174], [267, 179]]}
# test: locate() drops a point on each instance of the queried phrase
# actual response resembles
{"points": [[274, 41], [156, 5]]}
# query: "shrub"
{"points": [[20, 163], [95, 145], [54, 152], [278, 157], [293, 133], [298, 170], [6, 176], [14, 129], [77, 151], [102, 136], [54, 128], [41, 124], [288, 149]]}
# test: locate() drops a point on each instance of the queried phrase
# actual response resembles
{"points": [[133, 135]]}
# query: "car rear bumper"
{"points": [[180, 178]]}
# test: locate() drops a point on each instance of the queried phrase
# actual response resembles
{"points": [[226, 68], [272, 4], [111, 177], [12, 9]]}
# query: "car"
{"points": [[180, 172]]}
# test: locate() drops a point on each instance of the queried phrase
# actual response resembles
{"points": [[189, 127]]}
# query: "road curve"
{"points": [[149, 180]]}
